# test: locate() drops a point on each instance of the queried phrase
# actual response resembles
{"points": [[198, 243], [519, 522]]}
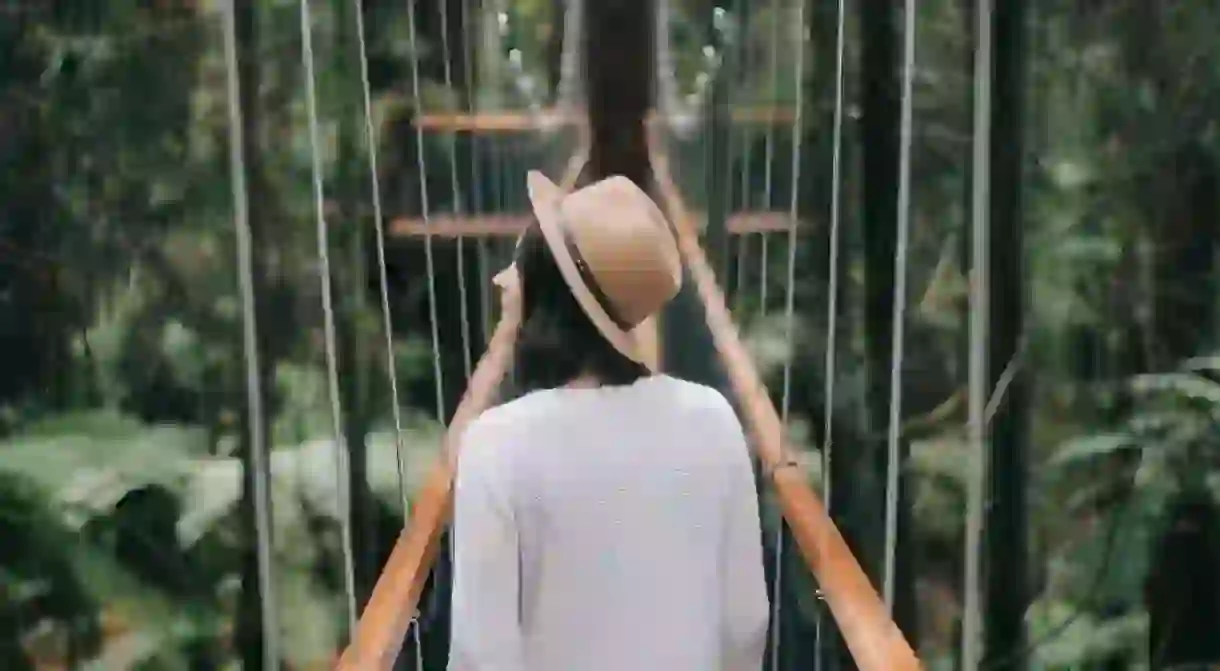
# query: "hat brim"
{"points": [[545, 198]]}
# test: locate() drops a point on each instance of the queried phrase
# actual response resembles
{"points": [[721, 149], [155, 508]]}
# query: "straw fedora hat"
{"points": [[616, 253]]}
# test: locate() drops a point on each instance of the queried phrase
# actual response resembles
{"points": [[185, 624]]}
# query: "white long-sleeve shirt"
{"points": [[608, 529]]}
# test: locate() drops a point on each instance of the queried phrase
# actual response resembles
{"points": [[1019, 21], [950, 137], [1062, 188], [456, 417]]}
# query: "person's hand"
{"points": [[509, 283]]}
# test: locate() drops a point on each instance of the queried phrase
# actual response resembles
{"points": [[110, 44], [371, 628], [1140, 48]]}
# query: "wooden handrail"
{"points": [[871, 635]]}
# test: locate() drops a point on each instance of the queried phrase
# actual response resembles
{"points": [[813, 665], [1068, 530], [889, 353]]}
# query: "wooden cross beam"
{"points": [[512, 121]]}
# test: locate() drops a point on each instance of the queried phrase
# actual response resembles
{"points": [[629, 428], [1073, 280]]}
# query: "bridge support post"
{"points": [[619, 68]]}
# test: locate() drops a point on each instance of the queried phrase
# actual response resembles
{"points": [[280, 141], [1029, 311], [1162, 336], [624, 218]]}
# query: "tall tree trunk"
{"points": [[618, 42], [35, 333], [861, 504], [1007, 593], [1181, 206], [249, 634], [1183, 588]]}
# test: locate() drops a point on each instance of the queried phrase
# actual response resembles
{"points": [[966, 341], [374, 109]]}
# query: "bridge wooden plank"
{"points": [[510, 121]]}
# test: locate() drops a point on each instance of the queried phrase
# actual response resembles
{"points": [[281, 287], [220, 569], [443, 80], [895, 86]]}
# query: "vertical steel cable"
{"points": [[259, 458], [832, 300], [476, 177], [458, 209], [382, 274], [893, 461], [342, 467], [769, 151], [971, 654], [422, 168], [790, 301]]}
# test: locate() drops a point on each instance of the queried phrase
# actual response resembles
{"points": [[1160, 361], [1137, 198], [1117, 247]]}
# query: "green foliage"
{"points": [[64, 478]]}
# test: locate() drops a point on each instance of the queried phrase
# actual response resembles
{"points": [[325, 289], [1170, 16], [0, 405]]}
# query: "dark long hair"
{"points": [[557, 343]]}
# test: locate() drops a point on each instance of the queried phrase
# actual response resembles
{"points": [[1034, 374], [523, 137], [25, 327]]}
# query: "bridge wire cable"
{"points": [[455, 188], [422, 168], [476, 180], [769, 153], [498, 151], [254, 399], [790, 298], [893, 462], [419, 644], [743, 143], [971, 652], [569, 89], [387, 322], [342, 467], [832, 299]]}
